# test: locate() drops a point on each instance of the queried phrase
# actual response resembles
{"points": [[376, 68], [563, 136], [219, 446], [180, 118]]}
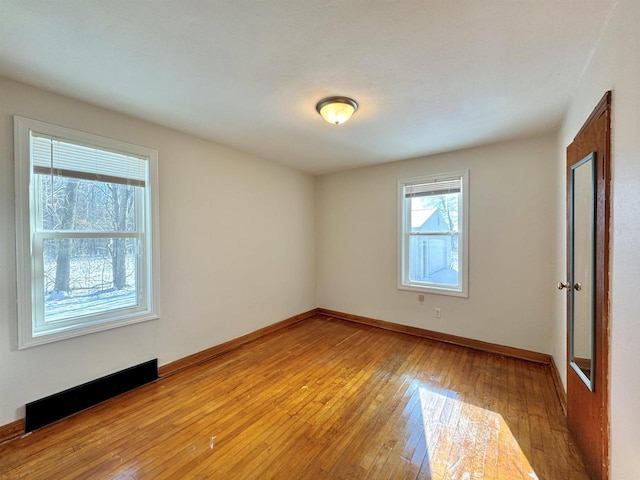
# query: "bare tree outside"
{"points": [[68, 209], [122, 204]]}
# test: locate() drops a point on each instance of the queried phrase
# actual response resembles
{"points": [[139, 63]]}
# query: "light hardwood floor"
{"points": [[322, 399]]}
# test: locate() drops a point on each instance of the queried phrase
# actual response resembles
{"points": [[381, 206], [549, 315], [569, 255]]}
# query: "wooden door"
{"points": [[588, 291]]}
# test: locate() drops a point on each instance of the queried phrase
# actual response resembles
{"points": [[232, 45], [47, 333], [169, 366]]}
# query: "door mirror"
{"points": [[582, 267]]}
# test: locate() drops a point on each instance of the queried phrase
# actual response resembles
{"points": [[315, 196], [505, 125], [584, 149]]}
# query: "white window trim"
{"points": [[403, 251], [24, 228]]}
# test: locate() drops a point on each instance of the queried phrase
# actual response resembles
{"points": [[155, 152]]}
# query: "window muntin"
{"points": [[432, 233], [86, 232]]}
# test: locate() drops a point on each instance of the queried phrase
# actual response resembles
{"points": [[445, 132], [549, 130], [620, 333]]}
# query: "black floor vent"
{"points": [[55, 407]]}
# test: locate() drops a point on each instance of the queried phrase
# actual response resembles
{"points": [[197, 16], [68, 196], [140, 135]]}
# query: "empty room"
{"points": [[274, 239]]}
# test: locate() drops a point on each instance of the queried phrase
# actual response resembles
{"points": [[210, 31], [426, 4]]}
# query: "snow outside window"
{"points": [[86, 232], [432, 253]]}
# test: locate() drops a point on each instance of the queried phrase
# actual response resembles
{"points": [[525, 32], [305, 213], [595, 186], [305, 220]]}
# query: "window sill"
{"points": [[27, 339], [433, 290]]}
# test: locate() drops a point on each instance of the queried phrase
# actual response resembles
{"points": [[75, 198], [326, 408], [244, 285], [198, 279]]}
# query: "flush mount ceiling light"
{"points": [[336, 110]]}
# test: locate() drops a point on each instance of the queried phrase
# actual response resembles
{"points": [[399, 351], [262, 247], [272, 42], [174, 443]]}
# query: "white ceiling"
{"points": [[430, 75]]}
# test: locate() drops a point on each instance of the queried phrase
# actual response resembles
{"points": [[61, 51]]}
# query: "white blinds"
{"points": [[51, 156], [440, 186]]}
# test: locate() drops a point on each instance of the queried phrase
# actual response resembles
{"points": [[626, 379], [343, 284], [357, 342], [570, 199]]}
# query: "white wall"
{"points": [[512, 206], [615, 66], [237, 245]]}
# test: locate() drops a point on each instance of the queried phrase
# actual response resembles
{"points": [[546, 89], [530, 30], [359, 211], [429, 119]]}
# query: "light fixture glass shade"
{"points": [[336, 110]]}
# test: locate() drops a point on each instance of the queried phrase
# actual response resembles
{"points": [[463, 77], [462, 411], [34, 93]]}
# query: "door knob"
{"points": [[564, 285], [577, 287]]}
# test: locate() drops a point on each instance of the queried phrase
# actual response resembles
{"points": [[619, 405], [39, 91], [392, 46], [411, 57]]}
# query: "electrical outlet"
{"points": [[421, 298], [436, 312]]}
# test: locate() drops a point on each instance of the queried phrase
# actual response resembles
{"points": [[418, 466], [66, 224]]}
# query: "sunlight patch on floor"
{"points": [[465, 441]]}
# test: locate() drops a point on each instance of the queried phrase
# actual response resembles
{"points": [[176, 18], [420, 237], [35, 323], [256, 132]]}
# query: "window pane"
{"points": [[435, 213], [86, 205], [434, 259], [88, 276]]}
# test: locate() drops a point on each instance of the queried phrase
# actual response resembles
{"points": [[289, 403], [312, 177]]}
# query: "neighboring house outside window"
{"points": [[432, 253], [86, 232]]}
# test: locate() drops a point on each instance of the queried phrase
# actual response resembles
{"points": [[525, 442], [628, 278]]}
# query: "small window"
{"points": [[86, 232], [432, 253]]}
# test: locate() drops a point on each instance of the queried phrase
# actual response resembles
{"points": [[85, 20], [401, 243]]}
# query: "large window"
{"points": [[433, 233], [86, 232]]}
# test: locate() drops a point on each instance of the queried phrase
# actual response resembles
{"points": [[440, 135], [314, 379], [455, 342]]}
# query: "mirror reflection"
{"points": [[582, 273]]}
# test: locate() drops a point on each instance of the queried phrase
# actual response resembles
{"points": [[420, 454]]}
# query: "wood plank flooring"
{"points": [[321, 399]]}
